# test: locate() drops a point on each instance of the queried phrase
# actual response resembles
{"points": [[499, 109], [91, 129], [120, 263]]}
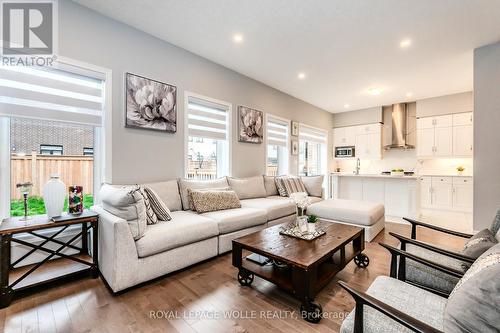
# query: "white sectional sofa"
{"points": [[130, 255], [189, 237]]}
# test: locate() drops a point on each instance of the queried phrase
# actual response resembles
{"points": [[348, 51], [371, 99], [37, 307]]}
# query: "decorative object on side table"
{"points": [[294, 231], [250, 125], [295, 128], [75, 202], [150, 104], [25, 189], [311, 223], [54, 193], [460, 170]]}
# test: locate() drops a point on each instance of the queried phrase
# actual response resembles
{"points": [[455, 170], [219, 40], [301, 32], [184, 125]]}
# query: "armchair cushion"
{"points": [[418, 303], [479, 243], [473, 304], [428, 276]]}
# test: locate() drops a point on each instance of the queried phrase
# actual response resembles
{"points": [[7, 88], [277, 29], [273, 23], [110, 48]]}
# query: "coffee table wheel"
{"points": [[362, 260], [245, 278], [311, 312]]}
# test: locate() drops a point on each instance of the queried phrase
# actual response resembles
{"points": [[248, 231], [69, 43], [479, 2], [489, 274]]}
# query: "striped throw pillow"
{"points": [[160, 209], [151, 217], [280, 186], [288, 185]]}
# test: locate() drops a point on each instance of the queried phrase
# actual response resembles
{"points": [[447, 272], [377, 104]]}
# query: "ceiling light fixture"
{"points": [[301, 76], [405, 43], [346, 106], [375, 91], [409, 94], [238, 38]]}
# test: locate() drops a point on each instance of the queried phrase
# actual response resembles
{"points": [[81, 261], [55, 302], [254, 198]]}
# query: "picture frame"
{"points": [[250, 125], [150, 104], [295, 147], [295, 128]]}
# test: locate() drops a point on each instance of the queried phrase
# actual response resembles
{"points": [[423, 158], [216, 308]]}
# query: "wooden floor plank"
{"points": [[207, 288]]}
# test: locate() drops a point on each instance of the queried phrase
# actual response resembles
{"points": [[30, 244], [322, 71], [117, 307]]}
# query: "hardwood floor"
{"points": [[204, 298]]}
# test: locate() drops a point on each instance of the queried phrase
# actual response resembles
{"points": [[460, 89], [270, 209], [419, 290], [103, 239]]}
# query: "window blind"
{"points": [[52, 94], [277, 132], [207, 119], [312, 134]]}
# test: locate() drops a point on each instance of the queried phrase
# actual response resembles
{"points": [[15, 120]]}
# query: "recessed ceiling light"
{"points": [[405, 43], [409, 94], [238, 38], [375, 91], [346, 106], [301, 76]]}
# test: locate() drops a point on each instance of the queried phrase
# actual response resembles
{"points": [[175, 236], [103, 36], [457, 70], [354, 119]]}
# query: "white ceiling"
{"points": [[343, 46]]}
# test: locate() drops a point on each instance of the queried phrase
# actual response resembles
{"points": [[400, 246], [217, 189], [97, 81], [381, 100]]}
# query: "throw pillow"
{"points": [[190, 197], [196, 184], [248, 188], [159, 208], [474, 302], [495, 226], [151, 217], [209, 201], [280, 185], [479, 243], [290, 184], [270, 184], [314, 185]]}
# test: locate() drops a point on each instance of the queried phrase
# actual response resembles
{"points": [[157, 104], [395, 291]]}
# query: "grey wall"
{"points": [[455, 103], [486, 134], [358, 117], [139, 155]]}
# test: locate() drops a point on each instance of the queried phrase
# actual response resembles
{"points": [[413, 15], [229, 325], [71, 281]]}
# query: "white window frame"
{"points": [[229, 106], [102, 138], [288, 139], [324, 168]]}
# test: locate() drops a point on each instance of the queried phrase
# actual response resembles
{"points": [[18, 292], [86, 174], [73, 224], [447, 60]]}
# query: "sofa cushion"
{"points": [[275, 206], [184, 228], [196, 184], [474, 303], [127, 203], [315, 199], [270, 184], [210, 201], [248, 188], [350, 211], [479, 243], [313, 185], [418, 303], [168, 192], [236, 219]]}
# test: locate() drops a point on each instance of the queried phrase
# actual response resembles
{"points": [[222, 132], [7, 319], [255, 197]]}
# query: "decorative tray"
{"points": [[293, 231]]}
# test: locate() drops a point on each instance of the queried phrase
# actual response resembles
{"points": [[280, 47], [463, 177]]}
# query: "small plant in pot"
{"points": [[460, 170], [311, 223]]}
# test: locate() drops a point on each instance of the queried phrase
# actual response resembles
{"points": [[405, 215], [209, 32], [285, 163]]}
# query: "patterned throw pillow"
{"points": [[479, 243], [159, 208], [495, 226], [150, 214], [288, 185], [190, 198], [210, 201]]}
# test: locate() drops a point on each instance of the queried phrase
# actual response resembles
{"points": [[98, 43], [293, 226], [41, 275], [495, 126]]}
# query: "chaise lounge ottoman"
{"points": [[368, 215]]}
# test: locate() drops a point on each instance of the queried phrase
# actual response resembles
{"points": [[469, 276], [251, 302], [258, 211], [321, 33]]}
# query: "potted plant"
{"points": [[397, 172], [311, 223], [460, 170]]}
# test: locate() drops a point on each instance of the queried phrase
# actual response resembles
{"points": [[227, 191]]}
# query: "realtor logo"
{"points": [[28, 28]]}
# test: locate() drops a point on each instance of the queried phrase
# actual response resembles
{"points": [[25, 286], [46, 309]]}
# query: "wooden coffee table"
{"points": [[299, 266]]}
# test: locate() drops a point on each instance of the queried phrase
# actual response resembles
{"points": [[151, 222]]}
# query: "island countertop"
{"points": [[370, 175]]}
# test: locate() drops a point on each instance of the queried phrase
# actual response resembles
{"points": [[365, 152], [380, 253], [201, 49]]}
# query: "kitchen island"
{"points": [[399, 194]]}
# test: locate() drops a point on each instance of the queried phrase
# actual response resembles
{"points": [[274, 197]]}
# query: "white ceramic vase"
{"points": [[311, 227], [54, 193]]}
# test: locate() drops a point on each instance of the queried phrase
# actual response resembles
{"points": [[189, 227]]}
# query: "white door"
{"points": [[425, 192], [362, 149], [425, 142], [443, 142], [461, 119], [442, 194], [462, 193], [462, 141]]}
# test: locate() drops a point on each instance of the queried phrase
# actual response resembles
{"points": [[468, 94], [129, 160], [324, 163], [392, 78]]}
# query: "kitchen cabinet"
{"points": [[367, 139], [373, 190], [352, 189], [446, 193], [445, 136], [344, 136]]}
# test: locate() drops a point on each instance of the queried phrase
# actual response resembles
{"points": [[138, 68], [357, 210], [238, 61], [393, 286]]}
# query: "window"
{"points": [[277, 146], [312, 151], [50, 119], [51, 150], [207, 142]]}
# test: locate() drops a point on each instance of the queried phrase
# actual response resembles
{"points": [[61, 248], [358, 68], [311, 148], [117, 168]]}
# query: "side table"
{"points": [[15, 281]]}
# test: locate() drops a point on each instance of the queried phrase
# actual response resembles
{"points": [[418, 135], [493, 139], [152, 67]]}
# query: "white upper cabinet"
{"points": [[445, 136], [344, 136], [367, 139]]}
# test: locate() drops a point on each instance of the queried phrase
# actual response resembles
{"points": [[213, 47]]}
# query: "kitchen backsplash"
{"points": [[407, 160]]}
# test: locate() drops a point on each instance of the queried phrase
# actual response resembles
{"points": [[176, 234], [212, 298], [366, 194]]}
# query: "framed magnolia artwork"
{"points": [[250, 125]]}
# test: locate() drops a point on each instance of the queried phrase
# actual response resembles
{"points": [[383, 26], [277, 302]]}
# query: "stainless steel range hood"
{"points": [[399, 126]]}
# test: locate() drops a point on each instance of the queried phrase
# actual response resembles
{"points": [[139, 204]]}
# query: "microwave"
{"points": [[344, 152]]}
